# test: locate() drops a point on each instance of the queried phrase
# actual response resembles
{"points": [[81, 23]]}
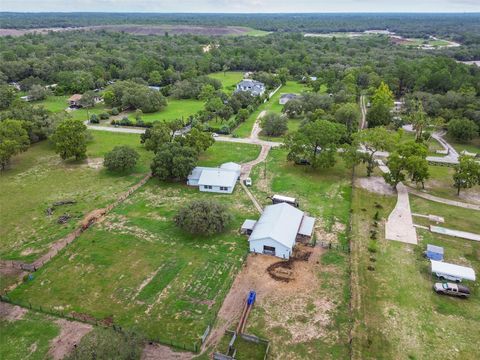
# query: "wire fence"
{"points": [[107, 323]]}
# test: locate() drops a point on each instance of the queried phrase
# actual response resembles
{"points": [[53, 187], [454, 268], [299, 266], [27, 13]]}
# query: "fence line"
{"points": [[92, 321]]}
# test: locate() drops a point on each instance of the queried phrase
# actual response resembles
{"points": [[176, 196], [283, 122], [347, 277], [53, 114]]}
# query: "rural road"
{"points": [[363, 108]]}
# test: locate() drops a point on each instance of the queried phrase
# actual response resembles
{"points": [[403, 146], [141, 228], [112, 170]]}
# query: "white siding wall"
{"points": [[281, 251], [216, 189]]}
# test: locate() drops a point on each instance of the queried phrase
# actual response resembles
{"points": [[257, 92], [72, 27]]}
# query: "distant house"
{"points": [[312, 78], [278, 229], [74, 100], [219, 180], [157, 88], [398, 105], [284, 98], [26, 98], [254, 87]]}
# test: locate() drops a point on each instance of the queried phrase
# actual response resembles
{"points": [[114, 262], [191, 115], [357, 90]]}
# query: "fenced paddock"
{"points": [[242, 347]]}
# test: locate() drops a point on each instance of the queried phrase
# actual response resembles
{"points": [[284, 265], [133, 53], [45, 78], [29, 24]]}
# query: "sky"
{"points": [[241, 6]]}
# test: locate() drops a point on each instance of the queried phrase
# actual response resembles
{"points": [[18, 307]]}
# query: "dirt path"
{"points": [[71, 332], [11, 312], [161, 352], [363, 108], [256, 129], [442, 200]]}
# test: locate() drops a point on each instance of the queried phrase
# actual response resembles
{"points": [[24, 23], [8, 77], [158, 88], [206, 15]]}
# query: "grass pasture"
{"points": [[38, 177], [176, 109], [398, 316], [27, 338], [58, 104], [229, 79], [140, 271], [222, 152]]}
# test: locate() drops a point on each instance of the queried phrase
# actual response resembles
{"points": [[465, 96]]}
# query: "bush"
{"points": [[94, 119], [274, 124], [114, 111], [372, 246], [204, 217], [121, 158], [104, 116], [462, 129], [125, 121]]}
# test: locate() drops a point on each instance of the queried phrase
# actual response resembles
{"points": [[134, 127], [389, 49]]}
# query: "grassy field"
{"points": [[301, 333], [27, 338], [222, 152], [229, 79], [473, 146], [440, 184], [244, 129], [60, 103], [176, 109], [179, 280], [398, 316], [38, 177]]}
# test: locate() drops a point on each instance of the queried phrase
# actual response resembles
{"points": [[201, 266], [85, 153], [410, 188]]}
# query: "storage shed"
{"points": [[276, 232]]}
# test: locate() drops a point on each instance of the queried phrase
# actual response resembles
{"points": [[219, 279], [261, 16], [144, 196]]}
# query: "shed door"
{"points": [[269, 250]]}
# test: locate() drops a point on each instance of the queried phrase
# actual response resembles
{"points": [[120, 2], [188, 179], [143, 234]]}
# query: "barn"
{"points": [[278, 229]]}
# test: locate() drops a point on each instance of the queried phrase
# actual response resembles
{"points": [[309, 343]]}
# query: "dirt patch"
{"points": [[11, 312], [95, 163], [375, 184], [471, 196], [71, 332], [271, 294], [160, 352], [138, 30]]}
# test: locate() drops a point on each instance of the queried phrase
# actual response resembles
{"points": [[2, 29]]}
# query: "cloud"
{"points": [[250, 6]]}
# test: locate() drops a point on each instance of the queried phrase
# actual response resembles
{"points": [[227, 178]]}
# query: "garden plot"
{"points": [[136, 269]]}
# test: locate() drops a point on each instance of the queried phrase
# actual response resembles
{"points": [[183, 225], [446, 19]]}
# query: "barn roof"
{"points": [[279, 222], [75, 97], [218, 177]]}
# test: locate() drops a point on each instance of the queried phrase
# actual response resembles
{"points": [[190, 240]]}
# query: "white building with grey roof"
{"points": [[219, 180], [278, 229], [254, 87]]}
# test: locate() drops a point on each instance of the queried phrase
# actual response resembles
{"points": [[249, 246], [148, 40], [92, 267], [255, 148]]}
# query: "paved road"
{"points": [[442, 200], [128, 130], [363, 108], [399, 226]]}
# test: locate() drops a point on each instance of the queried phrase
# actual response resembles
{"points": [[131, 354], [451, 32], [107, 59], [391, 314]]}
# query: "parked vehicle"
{"points": [[434, 252], [277, 199], [248, 182], [452, 272], [214, 135], [452, 289]]}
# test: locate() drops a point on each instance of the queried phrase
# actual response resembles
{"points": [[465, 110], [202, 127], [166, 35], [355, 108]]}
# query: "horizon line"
{"points": [[237, 13]]}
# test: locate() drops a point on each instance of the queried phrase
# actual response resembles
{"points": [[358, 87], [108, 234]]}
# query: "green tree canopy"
{"points": [[13, 139], [121, 158], [348, 115], [274, 124], [203, 217], [462, 129], [467, 174], [70, 139], [173, 161], [315, 142]]}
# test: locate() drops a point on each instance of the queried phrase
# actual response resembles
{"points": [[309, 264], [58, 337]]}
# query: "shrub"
{"points": [[204, 217], [121, 158], [94, 119], [125, 121], [372, 246], [104, 116], [462, 129], [274, 124], [114, 111]]}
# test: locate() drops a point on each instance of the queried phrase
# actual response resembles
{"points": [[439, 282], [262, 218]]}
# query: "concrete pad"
{"points": [[399, 226], [455, 233]]}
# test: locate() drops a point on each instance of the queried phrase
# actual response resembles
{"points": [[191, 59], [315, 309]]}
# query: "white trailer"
{"points": [[452, 272], [277, 199]]}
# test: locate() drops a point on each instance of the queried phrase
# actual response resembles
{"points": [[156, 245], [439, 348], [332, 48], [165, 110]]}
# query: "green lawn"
{"points": [[440, 184], [244, 129], [38, 177], [27, 338], [397, 314], [59, 104], [140, 270], [472, 146], [222, 152], [176, 109], [229, 79]]}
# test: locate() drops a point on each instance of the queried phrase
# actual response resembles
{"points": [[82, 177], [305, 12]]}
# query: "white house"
{"points": [[284, 98], [219, 180], [278, 229], [254, 87]]}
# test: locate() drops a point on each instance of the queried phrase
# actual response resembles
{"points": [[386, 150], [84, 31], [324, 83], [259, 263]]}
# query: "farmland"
{"points": [[38, 177], [397, 312], [179, 279], [284, 311]]}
